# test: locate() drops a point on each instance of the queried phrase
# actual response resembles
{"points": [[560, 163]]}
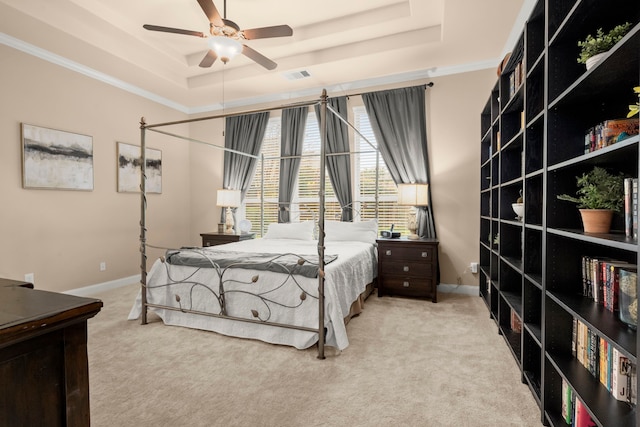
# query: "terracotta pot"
{"points": [[596, 220]]}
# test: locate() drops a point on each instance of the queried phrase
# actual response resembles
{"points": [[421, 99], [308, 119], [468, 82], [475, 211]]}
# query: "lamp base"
{"points": [[413, 237], [229, 222]]}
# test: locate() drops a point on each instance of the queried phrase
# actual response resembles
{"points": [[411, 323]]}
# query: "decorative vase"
{"points": [[596, 220], [518, 208], [594, 59]]}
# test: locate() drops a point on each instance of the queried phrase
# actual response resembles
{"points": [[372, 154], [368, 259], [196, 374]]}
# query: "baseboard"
{"points": [[458, 289], [92, 290]]}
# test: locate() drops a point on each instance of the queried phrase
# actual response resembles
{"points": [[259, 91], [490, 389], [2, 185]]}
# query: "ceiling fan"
{"points": [[226, 38]]}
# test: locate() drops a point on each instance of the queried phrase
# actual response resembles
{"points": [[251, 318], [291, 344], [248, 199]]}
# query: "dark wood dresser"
{"points": [[408, 268], [44, 372], [213, 239]]}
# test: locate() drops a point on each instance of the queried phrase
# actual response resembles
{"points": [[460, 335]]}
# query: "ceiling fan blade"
{"points": [[212, 13], [258, 57], [208, 59], [267, 32], [173, 30]]}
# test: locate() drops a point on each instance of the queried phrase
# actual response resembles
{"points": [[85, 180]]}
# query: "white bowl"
{"points": [[518, 208]]}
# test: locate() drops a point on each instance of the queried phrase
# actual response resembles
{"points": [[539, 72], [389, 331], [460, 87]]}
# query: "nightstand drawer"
{"points": [[407, 269], [409, 286], [403, 253]]}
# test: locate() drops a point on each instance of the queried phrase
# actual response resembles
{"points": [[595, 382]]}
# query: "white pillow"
{"points": [[363, 231], [290, 230]]}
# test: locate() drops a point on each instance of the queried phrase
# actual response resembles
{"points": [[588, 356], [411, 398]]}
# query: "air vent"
{"points": [[296, 75]]}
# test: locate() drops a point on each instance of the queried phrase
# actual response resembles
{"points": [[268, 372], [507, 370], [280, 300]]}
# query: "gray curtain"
{"points": [[292, 129], [339, 167], [398, 119], [245, 134]]}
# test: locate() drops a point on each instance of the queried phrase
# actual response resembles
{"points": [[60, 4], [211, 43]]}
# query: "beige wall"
{"points": [[62, 236], [453, 119]]}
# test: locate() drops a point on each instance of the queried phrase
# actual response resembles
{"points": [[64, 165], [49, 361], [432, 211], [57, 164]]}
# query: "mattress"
{"points": [[261, 295]]}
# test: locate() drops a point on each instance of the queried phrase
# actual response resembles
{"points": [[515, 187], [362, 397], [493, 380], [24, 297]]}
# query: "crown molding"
{"points": [[342, 88]]}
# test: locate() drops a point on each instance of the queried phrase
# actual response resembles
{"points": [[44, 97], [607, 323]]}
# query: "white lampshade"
{"points": [[413, 194], [228, 198], [226, 48]]}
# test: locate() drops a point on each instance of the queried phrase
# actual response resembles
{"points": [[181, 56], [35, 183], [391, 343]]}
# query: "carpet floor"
{"points": [[409, 363]]}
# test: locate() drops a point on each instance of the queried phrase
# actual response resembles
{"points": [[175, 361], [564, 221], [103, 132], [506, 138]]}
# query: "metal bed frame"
{"points": [[144, 127]]}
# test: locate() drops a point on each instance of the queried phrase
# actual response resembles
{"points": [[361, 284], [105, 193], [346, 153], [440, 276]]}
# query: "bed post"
{"points": [[262, 195], [143, 229], [323, 143]]}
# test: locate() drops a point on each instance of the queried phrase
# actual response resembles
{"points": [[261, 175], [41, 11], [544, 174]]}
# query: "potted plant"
{"points": [[600, 194], [593, 48]]}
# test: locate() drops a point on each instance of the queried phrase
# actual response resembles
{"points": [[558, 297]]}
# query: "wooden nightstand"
{"points": [[408, 267], [213, 239]]}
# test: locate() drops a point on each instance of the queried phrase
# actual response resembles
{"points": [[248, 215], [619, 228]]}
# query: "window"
{"points": [[305, 203], [389, 212]]}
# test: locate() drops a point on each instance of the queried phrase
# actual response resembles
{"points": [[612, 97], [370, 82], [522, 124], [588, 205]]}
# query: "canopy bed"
{"points": [[231, 290], [286, 288]]}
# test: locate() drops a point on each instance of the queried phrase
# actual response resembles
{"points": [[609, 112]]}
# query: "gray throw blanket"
{"points": [[303, 265]]}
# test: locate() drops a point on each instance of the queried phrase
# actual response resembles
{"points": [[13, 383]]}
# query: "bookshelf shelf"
{"points": [[534, 143]]}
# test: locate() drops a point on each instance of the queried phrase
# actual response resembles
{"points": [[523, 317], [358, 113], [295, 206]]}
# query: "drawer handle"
{"points": [[388, 252], [425, 254], [406, 268], [405, 284]]}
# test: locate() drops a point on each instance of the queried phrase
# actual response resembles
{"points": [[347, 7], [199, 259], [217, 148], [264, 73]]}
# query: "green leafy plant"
{"points": [[598, 189], [601, 42], [634, 108]]}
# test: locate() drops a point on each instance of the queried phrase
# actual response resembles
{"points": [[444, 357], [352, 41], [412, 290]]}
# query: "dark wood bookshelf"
{"points": [[532, 141]]}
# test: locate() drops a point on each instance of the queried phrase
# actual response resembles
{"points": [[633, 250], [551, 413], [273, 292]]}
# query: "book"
{"points": [[620, 377], [582, 417], [516, 323], [628, 215], [634, 206], [567, 403], [574, 340], [613, 283]]}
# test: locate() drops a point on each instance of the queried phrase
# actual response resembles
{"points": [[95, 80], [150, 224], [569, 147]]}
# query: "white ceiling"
{"points": [[343, 44]]}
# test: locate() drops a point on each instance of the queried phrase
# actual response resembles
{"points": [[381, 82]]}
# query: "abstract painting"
{"points": [[129, 169], [54, 159]]}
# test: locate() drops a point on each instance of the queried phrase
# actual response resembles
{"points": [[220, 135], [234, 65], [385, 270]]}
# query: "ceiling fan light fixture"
{"points": [[225, 48]]}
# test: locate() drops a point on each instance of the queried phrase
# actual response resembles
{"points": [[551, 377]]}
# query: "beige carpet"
{"points": [[409, 363]]}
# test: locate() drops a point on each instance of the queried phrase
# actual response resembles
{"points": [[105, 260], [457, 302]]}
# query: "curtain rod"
{"points": [[430, 84]]}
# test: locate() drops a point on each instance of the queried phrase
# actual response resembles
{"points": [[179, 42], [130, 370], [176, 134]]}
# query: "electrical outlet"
{"points": [[474, 267], [103, 266], [29, 277]]}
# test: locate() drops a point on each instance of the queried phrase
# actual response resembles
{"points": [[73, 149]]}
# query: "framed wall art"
{"points": [[129, 169], [54, 159]]}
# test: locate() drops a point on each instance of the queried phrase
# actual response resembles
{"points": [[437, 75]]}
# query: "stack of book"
{"points": [[516, 78], [608, 133], [605, 362], [601, 280]]}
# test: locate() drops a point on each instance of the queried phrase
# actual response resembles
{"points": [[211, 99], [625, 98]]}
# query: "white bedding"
{"points": [[345, 280]]}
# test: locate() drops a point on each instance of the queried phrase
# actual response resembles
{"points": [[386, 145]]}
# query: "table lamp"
{"points": [[228, 199], [413, 195]]}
